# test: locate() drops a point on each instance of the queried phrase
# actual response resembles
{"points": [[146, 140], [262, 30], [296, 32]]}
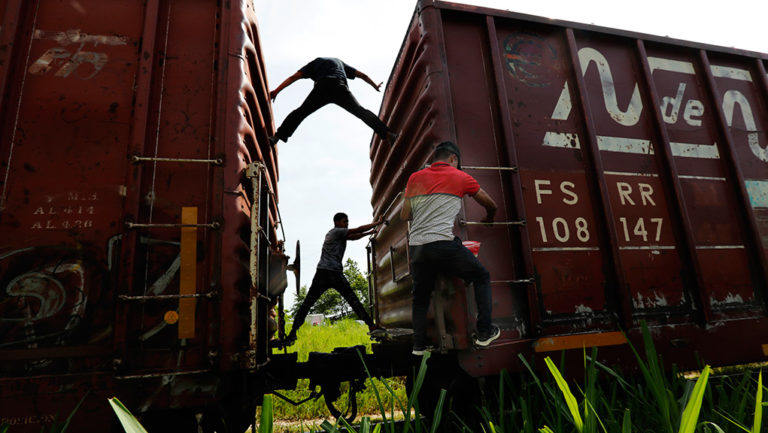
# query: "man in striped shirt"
{"points": [[433, 198]]}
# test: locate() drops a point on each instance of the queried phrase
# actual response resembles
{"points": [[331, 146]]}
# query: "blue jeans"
{"points": [[452, 259]]}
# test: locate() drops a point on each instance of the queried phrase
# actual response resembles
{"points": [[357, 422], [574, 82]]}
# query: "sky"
{"points": [[325, 166]]}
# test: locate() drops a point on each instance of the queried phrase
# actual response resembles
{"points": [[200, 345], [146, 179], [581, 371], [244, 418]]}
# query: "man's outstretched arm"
{"points": [[288, 81], [487, 202], [368, 80], [364, 230]]}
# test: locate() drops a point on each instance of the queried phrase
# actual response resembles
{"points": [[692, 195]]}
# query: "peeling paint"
{"points": [[730, 298]]}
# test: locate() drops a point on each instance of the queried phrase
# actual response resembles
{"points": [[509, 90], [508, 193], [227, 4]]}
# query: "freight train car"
{"points": [[140, 250], [631, 173]]}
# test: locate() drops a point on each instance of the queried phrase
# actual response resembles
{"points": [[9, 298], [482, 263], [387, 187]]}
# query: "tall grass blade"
{"points": [[758, 420], [591, 419], [626, 423], [545, 429], [61, 428], [654, 378], [365, 425], [438, 411], [373, 385], [570, 400], [128, 421], [328, 427], [693, 407], [265, 424], [733, 421], [716, 427]]}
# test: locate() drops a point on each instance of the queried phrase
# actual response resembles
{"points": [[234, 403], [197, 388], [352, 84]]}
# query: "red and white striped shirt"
{"points": [[435, 196]]}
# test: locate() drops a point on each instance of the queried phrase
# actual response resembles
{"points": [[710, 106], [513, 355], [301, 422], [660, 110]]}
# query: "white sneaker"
{"points": [[486, 338]]}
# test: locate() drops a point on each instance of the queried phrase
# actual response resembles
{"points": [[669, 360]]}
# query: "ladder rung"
{"points": [[471, 167], [131, 225], [137, 159], [523, 281], [167, 297], [499, 223]]}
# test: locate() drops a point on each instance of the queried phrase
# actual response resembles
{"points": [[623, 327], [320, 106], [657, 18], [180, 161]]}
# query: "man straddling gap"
{"points": [[330, 273], [432, 200], [330, 76]]}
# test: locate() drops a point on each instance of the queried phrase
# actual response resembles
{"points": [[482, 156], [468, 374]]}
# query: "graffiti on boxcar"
{"points": [[66, 61], [44, 295], [523, 55]]}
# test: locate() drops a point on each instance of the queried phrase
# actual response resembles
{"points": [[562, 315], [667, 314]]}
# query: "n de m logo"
{"points": [[673, 107]]}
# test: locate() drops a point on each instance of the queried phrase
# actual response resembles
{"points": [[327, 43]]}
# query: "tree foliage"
{"points": [[331, 303]]}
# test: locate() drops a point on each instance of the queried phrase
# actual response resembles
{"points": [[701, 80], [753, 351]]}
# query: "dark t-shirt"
{"points": [[333, 249], [328, 67]]}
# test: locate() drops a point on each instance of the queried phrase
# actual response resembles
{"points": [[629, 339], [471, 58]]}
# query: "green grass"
{"points": [[657, 400], [324, 338]]}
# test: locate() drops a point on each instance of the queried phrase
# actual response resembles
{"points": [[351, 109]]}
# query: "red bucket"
{"points": [[473, 246]]}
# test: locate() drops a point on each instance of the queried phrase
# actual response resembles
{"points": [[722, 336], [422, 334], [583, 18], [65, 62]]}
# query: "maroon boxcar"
{"points": [[138, 212], [631, 173]]}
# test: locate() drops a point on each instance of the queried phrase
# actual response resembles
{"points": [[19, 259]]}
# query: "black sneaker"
{"points": [[419, 350], [485, 338]]}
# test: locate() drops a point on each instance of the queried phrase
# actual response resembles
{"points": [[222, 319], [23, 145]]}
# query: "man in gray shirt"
{"points": [[330, 272]]}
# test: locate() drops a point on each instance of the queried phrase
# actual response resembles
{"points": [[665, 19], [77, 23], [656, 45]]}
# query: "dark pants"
{"points": [[328, 91], [324, 280], [452, 259]]}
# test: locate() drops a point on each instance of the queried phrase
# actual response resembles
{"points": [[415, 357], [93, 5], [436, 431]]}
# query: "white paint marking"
{"points": [[730, 100], [758, 193], [733, 73], [566, 249], [647, 247], [624, 145], [74, 36], [563, 108], [561, 139], [623, 173], [691, 150], [631, 115], [719, 247], [671, 65], [686, 176]]}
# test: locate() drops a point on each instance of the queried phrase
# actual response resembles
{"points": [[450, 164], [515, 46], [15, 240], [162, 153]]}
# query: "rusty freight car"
{"points": [[138, 211], [631, 173]]}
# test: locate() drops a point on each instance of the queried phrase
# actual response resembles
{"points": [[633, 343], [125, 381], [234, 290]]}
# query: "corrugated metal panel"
{"points": [[116, 115], [633, 209]]}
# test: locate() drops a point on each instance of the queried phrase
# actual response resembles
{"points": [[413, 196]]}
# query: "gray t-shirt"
{"points": [[333, 249]]}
